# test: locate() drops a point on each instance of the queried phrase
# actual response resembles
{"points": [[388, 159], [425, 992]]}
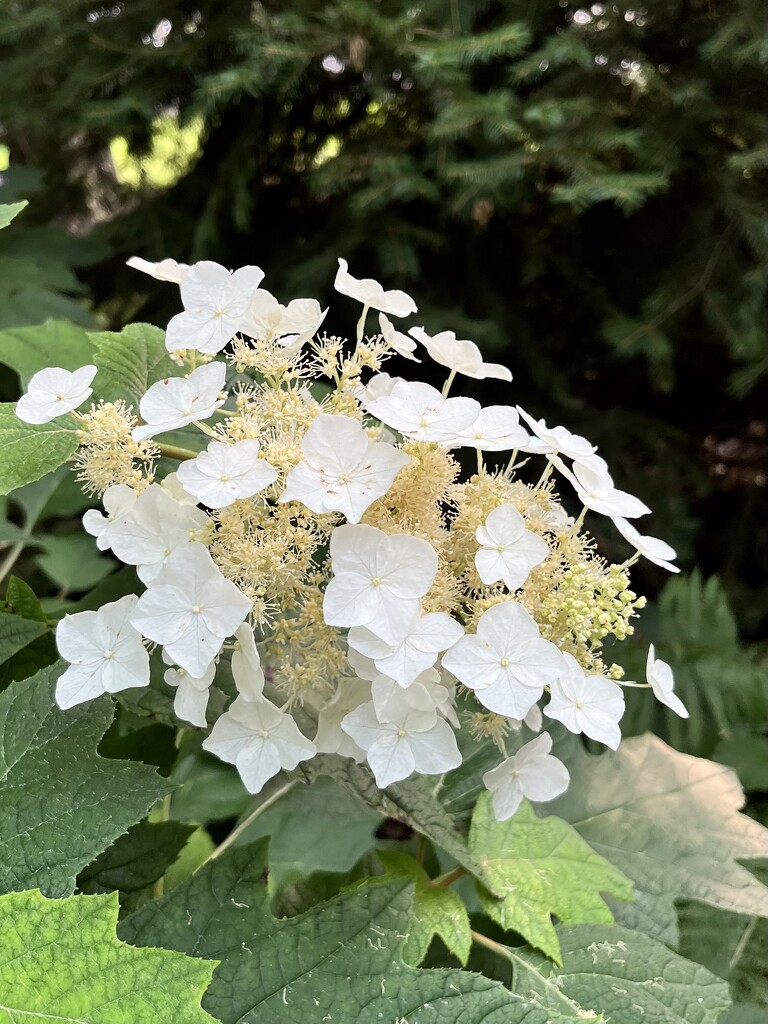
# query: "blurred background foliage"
{"points": [[581, 189]]}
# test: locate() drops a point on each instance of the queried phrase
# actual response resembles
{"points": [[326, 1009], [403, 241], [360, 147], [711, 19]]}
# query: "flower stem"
{"points": [[443, 881], [165, 813], [246, 823], [172, 452], [10, 559], [361, 324], [495, 947]]}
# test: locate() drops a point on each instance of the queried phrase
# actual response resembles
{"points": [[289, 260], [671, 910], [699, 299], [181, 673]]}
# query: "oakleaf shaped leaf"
{"points": [[624, 974], [672, 823], [542, 867], [60, 803], [340, 961], [29, 451], [60, 960], [436, 911]]}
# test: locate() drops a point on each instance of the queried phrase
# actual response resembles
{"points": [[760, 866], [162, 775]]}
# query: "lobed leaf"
{"points": [[61, 961], [54, 343], [60, 803], [625, 975], [671, 822], [416, 802], [436, 911], [542, 867], [341, 961]]}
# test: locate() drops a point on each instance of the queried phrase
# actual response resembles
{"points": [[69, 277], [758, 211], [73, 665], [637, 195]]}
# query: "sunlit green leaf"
{"points": [[61, 961]]}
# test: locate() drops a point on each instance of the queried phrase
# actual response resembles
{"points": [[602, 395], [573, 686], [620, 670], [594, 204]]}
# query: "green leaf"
{"points": [[130, 361], [54, 343], [74, 562], [16, 633], [436, 911], [542, 867], [61, 961], [29, 451], [414, 801], [320, 827], [22, 600], [671, 823], [341, 959], [60, 803], [625, 975], [137, 859], [196, 852], [10, 210], [733, 946]]}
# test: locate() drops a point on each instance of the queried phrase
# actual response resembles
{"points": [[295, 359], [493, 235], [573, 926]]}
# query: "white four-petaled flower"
{"points": [[289, 325], [420, 412], [342, 469], [397, 341], [532, 772], [215, 305], [408, 740], [655, 550], [506, 663], [191, 609], [459, 356], [258, 739], [371, 294], [118, 501], [662, 681], [192, 692], [589, 704], [378, 580], [498, 429], [559, 440], [105, 652], [426, 636], [151, 529], [176, 401], [508, 549], [595, 488], [53, 392], [225, 473]]}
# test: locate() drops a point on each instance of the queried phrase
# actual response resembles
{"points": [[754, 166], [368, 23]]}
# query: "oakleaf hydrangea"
{"points": [[312, 551]]}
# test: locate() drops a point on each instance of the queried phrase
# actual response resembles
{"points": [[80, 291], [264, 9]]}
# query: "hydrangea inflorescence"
{"points": [[327, 546]]}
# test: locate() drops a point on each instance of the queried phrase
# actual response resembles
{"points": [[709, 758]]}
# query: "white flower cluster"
{"points": [[439, 600]]}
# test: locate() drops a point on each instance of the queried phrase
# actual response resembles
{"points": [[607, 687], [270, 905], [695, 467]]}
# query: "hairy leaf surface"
{"points": [[543, 868], [625, 975], [343, 958], [29, 451], [671, 822], [60, 803], [129, 361], [436, 911], [61, 961]]}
